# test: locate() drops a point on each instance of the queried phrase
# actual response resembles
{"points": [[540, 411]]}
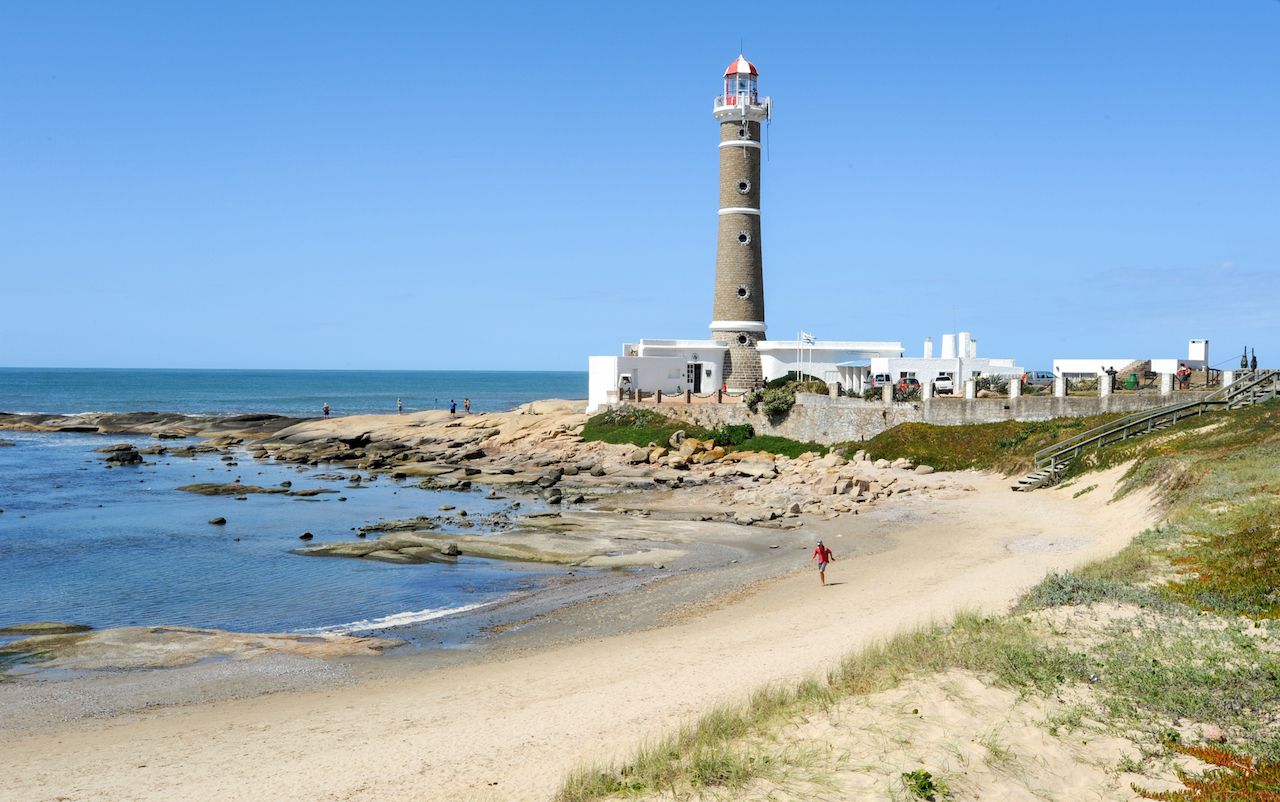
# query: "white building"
{"points": [[1088, 368], [958, 360], [650, 366]]}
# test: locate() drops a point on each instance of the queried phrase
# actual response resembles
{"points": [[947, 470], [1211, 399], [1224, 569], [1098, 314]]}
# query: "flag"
{"points": [[808, 338]]}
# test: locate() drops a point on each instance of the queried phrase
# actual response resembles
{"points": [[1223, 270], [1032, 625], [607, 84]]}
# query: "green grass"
{"points": [[639, 426], [1007, 446], [780, 445]]}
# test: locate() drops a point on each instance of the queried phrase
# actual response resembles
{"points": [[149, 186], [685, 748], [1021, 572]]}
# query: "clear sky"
{"points": [[517, 185]]}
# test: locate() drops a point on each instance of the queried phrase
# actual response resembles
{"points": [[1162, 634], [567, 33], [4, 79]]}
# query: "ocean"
{"points": [[83, 543], [299, 393]]}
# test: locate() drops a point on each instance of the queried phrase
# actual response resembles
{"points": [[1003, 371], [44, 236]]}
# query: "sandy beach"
{"points": [[507, 723]]}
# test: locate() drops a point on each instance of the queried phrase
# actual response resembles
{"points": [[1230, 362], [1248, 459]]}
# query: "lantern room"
{"points": [[740, 84]]}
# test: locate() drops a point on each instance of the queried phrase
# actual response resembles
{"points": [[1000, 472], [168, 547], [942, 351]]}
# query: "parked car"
{"points": [[1038, 378], [879, 380], [908, 383], [943, 385]]}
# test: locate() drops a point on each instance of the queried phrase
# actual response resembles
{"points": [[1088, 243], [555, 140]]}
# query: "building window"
{"points": [[744, 237], [743, 292], [744, 186], [744, 339], [742, 133]]}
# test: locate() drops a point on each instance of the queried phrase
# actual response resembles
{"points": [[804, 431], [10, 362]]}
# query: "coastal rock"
{"points": [[229, 489], [598, 470], [636, 455], [305, 536], [44, 628], [219, 521], [677, 437], [114, 448], [170, 647], [450, 550], [924, 469], [7, 444]]}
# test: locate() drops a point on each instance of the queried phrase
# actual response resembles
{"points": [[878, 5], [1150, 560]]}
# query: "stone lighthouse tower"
{"points": [[738, 311]]}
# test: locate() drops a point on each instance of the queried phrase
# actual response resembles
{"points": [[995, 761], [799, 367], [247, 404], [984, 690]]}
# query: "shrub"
{"points": [[778, 401], [733, 434], [1237, 777], [923, 785], [996, 384]]}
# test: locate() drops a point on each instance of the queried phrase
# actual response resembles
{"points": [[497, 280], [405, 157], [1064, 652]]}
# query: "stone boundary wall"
{"points": [[827, 420]]}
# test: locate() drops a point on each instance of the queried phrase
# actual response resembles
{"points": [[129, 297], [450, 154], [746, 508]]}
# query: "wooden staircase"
{"points": [[1052, 463]]}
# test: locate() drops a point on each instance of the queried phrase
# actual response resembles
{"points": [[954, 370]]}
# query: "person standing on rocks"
{"points": [[824, 556], [453, 408], [466, 406], [325, 409]]}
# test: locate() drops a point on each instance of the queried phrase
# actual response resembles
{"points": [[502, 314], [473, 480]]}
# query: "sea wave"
{"points": [[394, 620]]}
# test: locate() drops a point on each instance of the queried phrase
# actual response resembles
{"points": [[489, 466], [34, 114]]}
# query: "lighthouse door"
{"points": [[693, 373]]}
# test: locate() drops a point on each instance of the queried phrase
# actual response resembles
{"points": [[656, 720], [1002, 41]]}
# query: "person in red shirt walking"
{"points": [[823, 555]]}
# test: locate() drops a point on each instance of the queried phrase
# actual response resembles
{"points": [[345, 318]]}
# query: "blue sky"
{"points": [[514, 186]]}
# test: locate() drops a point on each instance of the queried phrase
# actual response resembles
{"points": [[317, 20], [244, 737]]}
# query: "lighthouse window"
{"points": [[743, 292], [744, 186], [742, 133], [743, 339], [744, 237]]}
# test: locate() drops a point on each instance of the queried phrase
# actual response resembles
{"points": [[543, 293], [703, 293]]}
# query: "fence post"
{"points": [[688, 396], [658, 397], [1059, 386], [1015, 387], [970, 389], [1166, 384], [720, 395], [886, 393]]}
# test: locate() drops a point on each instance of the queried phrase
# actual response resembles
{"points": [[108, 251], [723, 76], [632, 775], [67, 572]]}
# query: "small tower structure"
{"points": [[738, 311]]}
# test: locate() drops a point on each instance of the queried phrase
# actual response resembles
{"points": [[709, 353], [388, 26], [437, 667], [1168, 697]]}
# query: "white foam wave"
{"points": [[395, 620]]}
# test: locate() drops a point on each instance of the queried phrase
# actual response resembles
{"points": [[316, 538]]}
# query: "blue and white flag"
{"points": [[808, 338]]}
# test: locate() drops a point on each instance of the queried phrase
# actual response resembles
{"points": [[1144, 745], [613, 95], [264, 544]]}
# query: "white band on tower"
{"points": [[738, 325], [740, 210], [740, 143]]}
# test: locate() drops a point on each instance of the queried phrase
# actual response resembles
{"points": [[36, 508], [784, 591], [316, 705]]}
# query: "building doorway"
{"points": [[693, 373]]}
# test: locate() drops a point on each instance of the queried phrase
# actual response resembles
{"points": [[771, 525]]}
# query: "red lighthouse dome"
{"points": [[740, 66]]}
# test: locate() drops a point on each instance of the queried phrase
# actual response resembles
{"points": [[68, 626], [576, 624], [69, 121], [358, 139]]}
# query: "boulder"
{"points": [[636, 455], [115, 448], [598, 470], [7, 444], [678, 462], [924, 469], [881, 463], [305, 536], [128, 456], [450, 550], [219, 521], [677, 437], [657, 454]]}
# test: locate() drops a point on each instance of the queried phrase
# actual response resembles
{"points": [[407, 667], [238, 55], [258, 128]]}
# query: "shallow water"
{"points": [[121, 546]]}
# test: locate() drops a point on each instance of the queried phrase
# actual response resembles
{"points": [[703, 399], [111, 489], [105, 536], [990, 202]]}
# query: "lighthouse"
{"points": [[738, 311]]}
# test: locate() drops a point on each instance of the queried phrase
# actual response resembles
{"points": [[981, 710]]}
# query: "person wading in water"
{"points": [[823, 555]]}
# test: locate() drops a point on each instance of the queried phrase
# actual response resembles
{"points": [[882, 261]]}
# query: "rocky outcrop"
{"points": [[228, 489], [44, 628]]}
